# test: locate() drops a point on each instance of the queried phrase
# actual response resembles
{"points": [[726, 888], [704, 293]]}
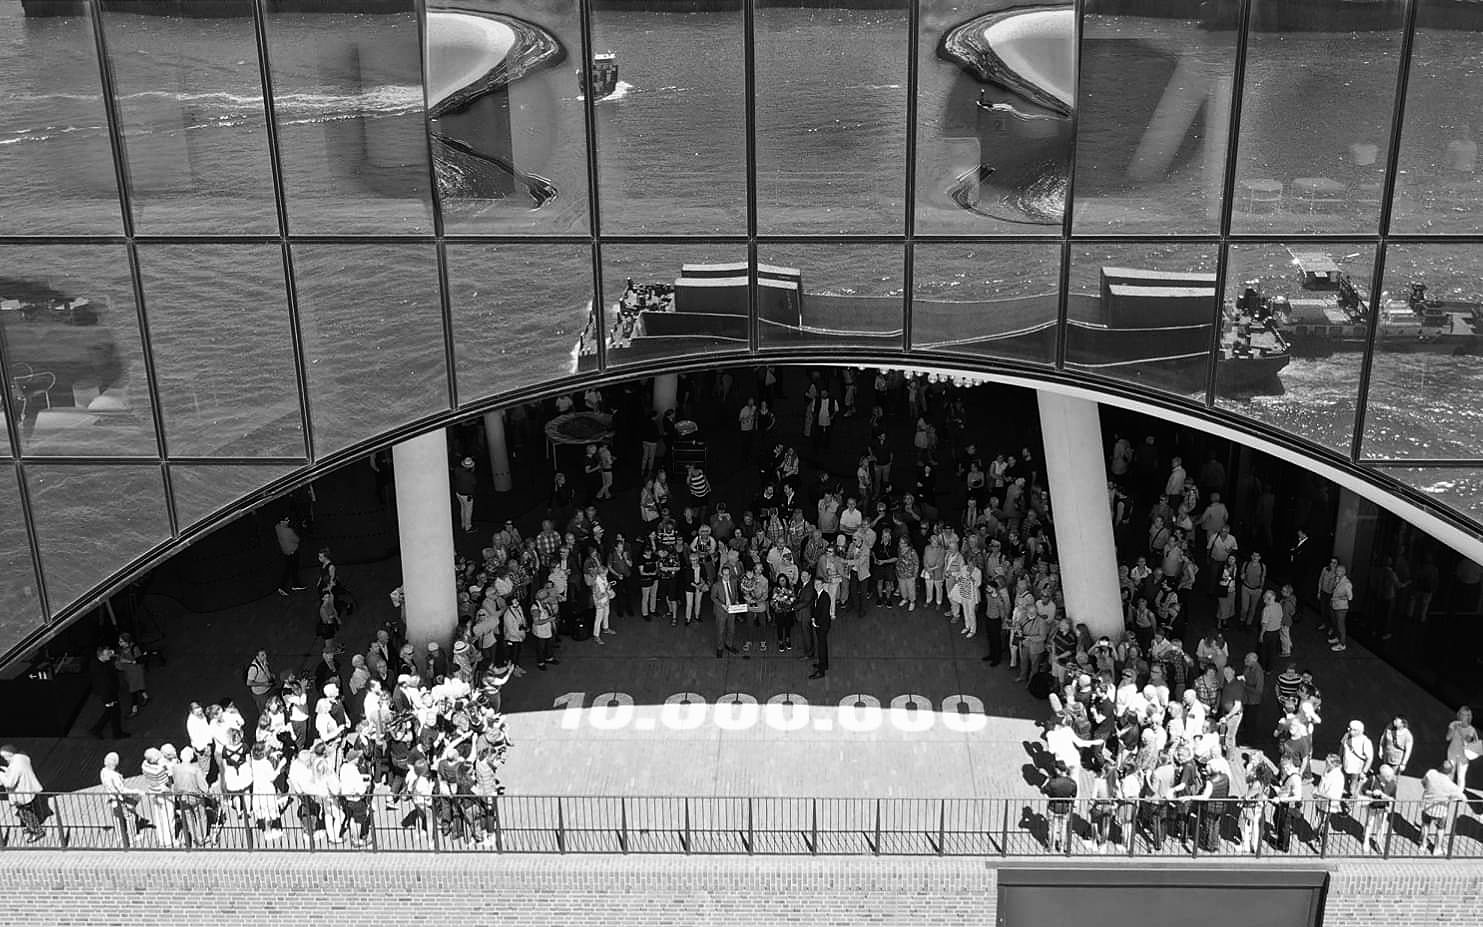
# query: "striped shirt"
{"points": [[700, 487], [1287, 687]]}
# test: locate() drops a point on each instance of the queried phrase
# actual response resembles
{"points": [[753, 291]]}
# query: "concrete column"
{"points": [[424, 506], [1346, 529], [1080, 513], [499, 453], [1217, 123], [666, 391]]}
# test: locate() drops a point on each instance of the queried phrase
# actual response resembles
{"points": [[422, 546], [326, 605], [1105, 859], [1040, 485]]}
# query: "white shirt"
{"points": [[1062, 743], [113, 781], [198, 731], [1358, 754]]}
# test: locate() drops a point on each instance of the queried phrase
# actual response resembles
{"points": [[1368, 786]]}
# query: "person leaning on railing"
{"points": [[1379, 790], [1287, 802], [123, 801], [1439, 796], [192, 797]]}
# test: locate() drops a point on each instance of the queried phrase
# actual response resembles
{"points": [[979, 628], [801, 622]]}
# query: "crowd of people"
{"points": [[1159, 713], [420, 727], [1149, 735]]}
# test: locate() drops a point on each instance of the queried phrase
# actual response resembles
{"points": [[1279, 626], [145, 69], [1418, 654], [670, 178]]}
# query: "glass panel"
{"points": [[373, 338], [830, 294], [223, 347], [994, 300], [1309, 304], [1457, 488], [203, 490], [20, 606], [995, 93], [1426, 384], [668, 300], [1316, 116], [72, 351], [1437, 187], [54, 150], [1153, 120], [1142, 313], [508, 124], [92, 520], [347, 94], [517, 313], [831, 116], [190, 98], [672, 131]]}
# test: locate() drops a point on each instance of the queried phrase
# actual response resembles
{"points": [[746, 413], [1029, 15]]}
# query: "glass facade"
{"points": [[240, 239]]}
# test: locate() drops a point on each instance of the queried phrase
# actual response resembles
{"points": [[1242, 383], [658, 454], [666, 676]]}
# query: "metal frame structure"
{"points": [[1227, 830], [751, 238]]}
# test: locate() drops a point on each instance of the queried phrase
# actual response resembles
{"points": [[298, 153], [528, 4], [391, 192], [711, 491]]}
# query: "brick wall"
{"points": [[329, 889]]}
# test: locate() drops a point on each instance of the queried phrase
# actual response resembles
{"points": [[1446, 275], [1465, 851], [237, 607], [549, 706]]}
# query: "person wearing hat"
{"points": [[463, 659], [1357, 756], [464, 484], [437, 661]]}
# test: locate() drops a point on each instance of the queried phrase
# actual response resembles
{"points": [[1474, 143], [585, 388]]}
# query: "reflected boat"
{"points": [[1327, 314], [64, 366], [604, 76], [1143, 323], [1157, 325]]}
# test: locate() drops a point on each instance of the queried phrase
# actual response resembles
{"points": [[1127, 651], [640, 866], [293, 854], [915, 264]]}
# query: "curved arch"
{"points": [[1448, 526]]}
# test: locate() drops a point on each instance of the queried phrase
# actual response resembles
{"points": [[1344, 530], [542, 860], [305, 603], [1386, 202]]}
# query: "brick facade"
{"points": [[330, 889]]}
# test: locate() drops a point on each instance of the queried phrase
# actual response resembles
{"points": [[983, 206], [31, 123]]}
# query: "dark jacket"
{"points": [[820, 614], [105, 680]]}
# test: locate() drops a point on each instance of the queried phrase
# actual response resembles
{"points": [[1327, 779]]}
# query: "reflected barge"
{"points": [[1143, 323], [1328, 314]]}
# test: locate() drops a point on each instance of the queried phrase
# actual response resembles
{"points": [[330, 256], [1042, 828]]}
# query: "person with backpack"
{"points": [[259, 679]]}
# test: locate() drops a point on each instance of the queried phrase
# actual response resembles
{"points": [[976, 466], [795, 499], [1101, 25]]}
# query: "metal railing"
{"points": [[1007, 827]]}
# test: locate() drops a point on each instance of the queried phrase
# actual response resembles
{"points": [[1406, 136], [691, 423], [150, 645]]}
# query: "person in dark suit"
{"points": [[104, 676], [724, 594], [821, 620], [803, 611]]}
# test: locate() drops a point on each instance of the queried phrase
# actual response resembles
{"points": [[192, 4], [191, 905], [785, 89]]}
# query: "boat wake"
{"points": [[620, 91]]}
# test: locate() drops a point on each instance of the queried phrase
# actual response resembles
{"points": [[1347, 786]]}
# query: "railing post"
{"points": [[560, 827], [751, 835], [877, 847], [371, 808], [432, 824], [1199, 805], [1131, 831], [1070, 829], [623, 815], [941, 826], [245, 811], [1261, 827], [1389, 829], [814, 825], [64, 836], [1004, 834], [1323, 840], [1452, 826], [499, 828], [687, 826]]}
